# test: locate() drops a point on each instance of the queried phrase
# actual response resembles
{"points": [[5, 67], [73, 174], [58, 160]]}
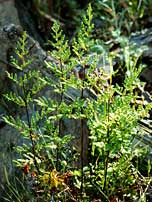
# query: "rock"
{"points": [[7, 7], [146, 75], [144, 138], [27, 22], [7, 153], [8, 136], [144, 39]]}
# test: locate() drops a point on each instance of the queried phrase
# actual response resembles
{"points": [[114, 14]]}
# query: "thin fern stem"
{"points": [[82, 137], [107, 152], [30, 130], [60, 121]]}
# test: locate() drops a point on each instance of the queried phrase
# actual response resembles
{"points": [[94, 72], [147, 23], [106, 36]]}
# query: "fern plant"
{"points": [[101, 165], [113, 124], [42, 128]]}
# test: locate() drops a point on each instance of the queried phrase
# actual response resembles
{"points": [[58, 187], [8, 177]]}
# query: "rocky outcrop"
{"points": [[6, 18], [8, 136], [141, 39]]}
